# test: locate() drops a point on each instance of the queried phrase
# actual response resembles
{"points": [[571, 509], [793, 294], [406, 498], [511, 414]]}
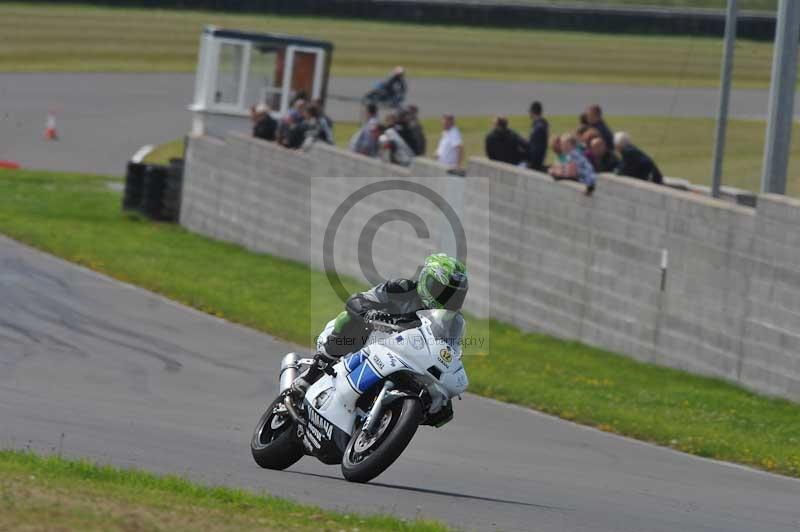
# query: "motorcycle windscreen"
{"points": [[447, 326]]}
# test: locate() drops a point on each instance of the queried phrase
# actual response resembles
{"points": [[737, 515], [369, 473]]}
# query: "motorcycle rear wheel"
{"points": [[365, 459], [275, 444]]}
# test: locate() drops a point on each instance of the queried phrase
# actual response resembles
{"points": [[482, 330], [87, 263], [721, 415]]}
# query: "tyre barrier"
{"points": [[154, 190]]}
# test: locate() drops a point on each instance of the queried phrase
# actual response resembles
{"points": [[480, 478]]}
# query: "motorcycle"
{"points": [[384, 95], [365, 409]]}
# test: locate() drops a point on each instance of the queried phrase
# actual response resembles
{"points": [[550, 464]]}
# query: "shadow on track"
{"points": [[439, 492]]}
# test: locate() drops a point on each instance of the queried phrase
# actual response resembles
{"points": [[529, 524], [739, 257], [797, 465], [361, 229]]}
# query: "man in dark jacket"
{"points": [[264, 126], [634, 162], [594, 118], [537, 142], [417, 133], [504, 144]]}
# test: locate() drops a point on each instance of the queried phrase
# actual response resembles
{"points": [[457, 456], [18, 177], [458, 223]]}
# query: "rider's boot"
{"points": [[301, 385]]}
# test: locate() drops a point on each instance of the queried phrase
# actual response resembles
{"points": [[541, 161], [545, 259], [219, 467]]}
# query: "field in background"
{"points": [[61, 38], [78, 218], [755, 5], [57, 494], [681, 146]]}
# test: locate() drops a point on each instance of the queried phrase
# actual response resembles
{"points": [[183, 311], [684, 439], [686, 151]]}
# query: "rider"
{"points": [[395, 86], [442, 284]]}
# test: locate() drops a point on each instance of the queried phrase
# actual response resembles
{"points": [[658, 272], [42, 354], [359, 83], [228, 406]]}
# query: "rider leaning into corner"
{"points": [[442, 284]]}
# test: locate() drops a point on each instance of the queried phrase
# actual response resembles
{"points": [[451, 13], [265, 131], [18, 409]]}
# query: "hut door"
{"points": [[303, 73]]}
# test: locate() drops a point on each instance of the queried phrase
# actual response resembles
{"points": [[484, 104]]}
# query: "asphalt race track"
{"points": [[94, 368], [104, 118]]}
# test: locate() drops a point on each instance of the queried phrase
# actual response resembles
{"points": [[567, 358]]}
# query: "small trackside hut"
{"points": [[237, 70]]}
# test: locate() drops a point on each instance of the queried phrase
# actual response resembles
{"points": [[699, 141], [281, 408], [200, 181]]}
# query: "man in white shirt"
{"points": [[451, 147]]}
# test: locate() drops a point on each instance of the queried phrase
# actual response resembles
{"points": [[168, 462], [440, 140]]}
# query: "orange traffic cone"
{"points": [[50, 132]]}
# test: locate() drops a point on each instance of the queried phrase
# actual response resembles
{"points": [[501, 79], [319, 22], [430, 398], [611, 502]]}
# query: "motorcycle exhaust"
{"points": [[289, 371]]}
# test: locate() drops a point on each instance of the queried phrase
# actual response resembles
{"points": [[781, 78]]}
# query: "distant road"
{"points": [[104, 118]]}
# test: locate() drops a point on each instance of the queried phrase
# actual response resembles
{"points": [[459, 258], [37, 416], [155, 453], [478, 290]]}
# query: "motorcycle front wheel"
{"points": [[367, 457], [275, 444]]}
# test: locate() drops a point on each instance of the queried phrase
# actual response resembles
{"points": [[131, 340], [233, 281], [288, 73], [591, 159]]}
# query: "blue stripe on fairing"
{"points": [[363, 377], [352, 361]]}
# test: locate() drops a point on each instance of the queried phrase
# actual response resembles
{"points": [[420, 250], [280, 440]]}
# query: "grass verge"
{"points": [[78, 218], [79, 38], [52, 493], [162, 153]]}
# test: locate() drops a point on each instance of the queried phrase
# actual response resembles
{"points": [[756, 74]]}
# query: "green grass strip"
{"points": [[38, 493], [80, 38], [79, 218]]}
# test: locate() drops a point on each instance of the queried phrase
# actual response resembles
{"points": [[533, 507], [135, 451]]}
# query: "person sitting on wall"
{"points": [[576, 166], [634, 162], [555, 147], [264, 126], [602, 159], [504, 144]]}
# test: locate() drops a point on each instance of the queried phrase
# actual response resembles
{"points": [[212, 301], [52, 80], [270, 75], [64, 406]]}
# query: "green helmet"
{"points": [[443, 282]]}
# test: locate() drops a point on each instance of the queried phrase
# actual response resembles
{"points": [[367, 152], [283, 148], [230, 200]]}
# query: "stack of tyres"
{"points": [[171, 201], [155, 181], [134, 184]]}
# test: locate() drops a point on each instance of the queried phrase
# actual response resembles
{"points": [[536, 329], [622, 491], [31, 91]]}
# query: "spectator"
{"points": [[504, 144], [602, 159], [404, 130], [325, 118], [365, 140], [594, 117], [576, 166], [555, 146], [315, 127], [419, 144], [588, 135], [634, 162], [264, 126], [450, 151], [393, 149], [292, 130], [537, 142]]}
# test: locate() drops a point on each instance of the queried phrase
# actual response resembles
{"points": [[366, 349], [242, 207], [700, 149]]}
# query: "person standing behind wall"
{"points": [[504, 144], [594, 118], [537, 142], [450, 152], [417, 133]]}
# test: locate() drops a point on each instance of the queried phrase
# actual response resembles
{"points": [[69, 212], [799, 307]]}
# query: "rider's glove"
{"points": [[325, 358], [377, 315]]}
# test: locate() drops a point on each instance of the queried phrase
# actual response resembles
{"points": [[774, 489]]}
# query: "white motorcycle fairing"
{"points": [[331, 402]]}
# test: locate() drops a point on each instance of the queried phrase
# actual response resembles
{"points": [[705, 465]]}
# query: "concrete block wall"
{"points": [[589, 269], [542, 255]]}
